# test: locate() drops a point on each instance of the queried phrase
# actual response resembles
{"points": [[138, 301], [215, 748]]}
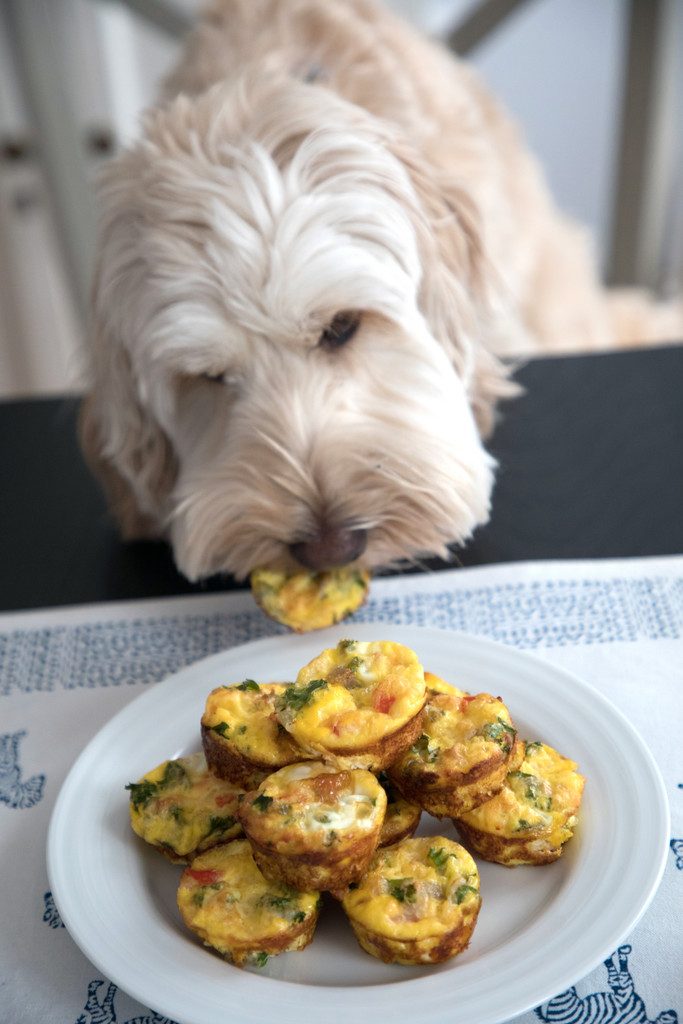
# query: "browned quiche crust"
{"points": [[460, 792], [433, 951], [379, 755], [315, 869], [534, 849], [228, 763]]}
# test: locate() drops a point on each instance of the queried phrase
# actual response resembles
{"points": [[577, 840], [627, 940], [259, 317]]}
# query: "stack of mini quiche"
{"points": [[318, 786]]}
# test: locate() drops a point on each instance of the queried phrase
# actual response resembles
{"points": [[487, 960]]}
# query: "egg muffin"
{"points": [[418, 902], [461, 758], [401, 818], [533, 815], [181, 808], [357, 705], [312, 827], [242, 738], [439, 685], [309, 600], [225, 900]]}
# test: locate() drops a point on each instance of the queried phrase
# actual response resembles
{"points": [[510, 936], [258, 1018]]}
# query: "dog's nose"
{"points": [[330, 547]]}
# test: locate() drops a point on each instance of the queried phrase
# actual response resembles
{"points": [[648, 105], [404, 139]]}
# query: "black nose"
{"points": [[330, 547]]}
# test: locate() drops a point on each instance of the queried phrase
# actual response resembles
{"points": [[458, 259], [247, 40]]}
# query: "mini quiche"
{"points": [[438, 685], [242, 738], [312, 827], [181, 808], [401, 818], [309, 600], [466, 748], [418, 902], [532, 816], [357, 705], [225, 900]]}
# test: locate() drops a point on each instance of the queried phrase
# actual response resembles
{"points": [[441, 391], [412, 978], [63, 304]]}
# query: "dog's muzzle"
{"points": [[330, 548]]}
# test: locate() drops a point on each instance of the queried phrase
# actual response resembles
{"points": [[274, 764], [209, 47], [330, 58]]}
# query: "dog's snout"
{"points": [[330, 547]]}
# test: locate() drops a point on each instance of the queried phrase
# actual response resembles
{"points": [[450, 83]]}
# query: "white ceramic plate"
{"points": [[539, 931]]}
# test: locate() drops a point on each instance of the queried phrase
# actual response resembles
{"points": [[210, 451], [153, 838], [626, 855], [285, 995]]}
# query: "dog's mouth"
{"points": [[380, 521]]}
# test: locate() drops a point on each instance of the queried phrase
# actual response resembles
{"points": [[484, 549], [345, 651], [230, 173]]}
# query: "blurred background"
{"points": [[596, 85]]}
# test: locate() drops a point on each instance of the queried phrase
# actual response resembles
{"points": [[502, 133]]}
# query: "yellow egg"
{"points": [[439, 685], [461, 758], [533, 816], [313, 827], [305, 600], [225, 900], [357, 704], [242, 738], [418, 902], [181, 808]]}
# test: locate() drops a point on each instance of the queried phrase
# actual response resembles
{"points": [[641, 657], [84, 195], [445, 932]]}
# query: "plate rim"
{"points": [[477, 644]]}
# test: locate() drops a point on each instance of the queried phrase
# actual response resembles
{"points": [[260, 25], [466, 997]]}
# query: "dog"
{"points": [[315, 268]]}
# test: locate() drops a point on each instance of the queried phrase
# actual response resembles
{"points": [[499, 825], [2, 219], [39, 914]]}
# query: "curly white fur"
{"points": [[255, 208]]}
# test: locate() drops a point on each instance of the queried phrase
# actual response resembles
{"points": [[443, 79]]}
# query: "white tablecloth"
{"points": [[64, 673]]}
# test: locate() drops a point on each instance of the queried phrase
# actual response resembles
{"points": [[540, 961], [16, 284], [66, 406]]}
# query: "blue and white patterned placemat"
{"points": [[63, 673]]}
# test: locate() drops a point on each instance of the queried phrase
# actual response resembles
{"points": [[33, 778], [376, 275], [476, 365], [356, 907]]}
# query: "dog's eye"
{"points": [[341, 329], [214, 378]]}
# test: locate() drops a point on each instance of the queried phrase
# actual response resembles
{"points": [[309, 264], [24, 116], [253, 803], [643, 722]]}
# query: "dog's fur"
{"points": [[311, 157]]}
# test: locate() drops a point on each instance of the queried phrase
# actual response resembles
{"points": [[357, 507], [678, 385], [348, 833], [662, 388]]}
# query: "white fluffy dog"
{"points": [[313, 267]]}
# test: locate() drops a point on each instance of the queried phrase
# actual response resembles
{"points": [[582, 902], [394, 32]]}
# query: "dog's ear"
{"points": [[460, 296], [124, 447], [123, 443]]}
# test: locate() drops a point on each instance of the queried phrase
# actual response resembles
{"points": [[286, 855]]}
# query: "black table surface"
{"points": [[590, 466]]}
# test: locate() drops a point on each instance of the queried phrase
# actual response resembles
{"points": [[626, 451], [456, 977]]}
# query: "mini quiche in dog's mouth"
{"points": [[309, 600], [533, 815], [418, 902], [242, 738], [225, 900], [313, 827], [181, 808], [357, 705]]}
